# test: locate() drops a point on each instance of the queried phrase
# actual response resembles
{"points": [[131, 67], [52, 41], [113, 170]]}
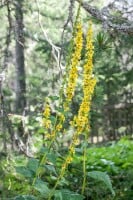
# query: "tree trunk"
{"points": [[19, 51], [20, 105]]}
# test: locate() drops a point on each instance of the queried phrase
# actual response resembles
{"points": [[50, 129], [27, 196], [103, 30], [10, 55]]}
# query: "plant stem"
{"points": [[57, 182], [43, 160], [84, 166]]}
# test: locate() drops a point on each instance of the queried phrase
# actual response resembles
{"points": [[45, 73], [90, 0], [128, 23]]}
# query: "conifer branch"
{"points": [[107, 19]]}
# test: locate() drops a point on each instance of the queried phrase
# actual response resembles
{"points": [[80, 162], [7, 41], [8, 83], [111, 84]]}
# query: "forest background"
{"points": [[35, 43]]}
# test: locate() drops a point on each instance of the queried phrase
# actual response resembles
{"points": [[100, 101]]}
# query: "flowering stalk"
{"points": [[51, 134], [81, 121], [73, 72], [70, 88], [89, 83]]}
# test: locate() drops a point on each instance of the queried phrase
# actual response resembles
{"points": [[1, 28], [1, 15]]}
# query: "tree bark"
{"points": [[20, 105], [19, 55]]}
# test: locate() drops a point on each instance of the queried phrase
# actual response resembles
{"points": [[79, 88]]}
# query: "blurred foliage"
{"points": [[113, 160], [107, 166]]}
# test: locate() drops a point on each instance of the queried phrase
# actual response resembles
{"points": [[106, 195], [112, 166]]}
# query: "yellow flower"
{"points": [[72, 149], [69, 159], [62, 117], [46, 123], [58, 127], [73, 73], [46, 117], [76, 141], [46, 112]]}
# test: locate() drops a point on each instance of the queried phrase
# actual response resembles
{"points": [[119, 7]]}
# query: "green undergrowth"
{"points": [[109, 174]]}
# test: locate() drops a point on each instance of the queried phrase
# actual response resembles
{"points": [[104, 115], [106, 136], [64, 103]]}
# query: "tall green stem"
{"points": [[84, 165]]}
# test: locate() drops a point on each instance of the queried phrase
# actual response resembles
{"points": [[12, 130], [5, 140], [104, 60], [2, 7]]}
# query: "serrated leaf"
{"points": [[33, 164], [24, 171], [42, 187], [102, 176]]}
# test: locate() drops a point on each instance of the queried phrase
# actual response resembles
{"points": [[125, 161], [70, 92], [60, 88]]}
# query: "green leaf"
{"points": [[63, 182], [58, 195], [52, 119], [51, 168], [43, 150], [24, 171], [67, 195], [52, 157], [54, 97], [42, 187], [102, 176], [33, 164], [25, 197], [61, 110]]}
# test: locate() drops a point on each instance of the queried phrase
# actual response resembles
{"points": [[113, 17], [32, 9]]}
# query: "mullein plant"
{"points": [[80, 122], [67, 90]]}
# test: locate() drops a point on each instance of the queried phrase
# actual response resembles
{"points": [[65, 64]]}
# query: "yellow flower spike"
{"points": [[89, 83], [81, 121], [73, 73]]}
